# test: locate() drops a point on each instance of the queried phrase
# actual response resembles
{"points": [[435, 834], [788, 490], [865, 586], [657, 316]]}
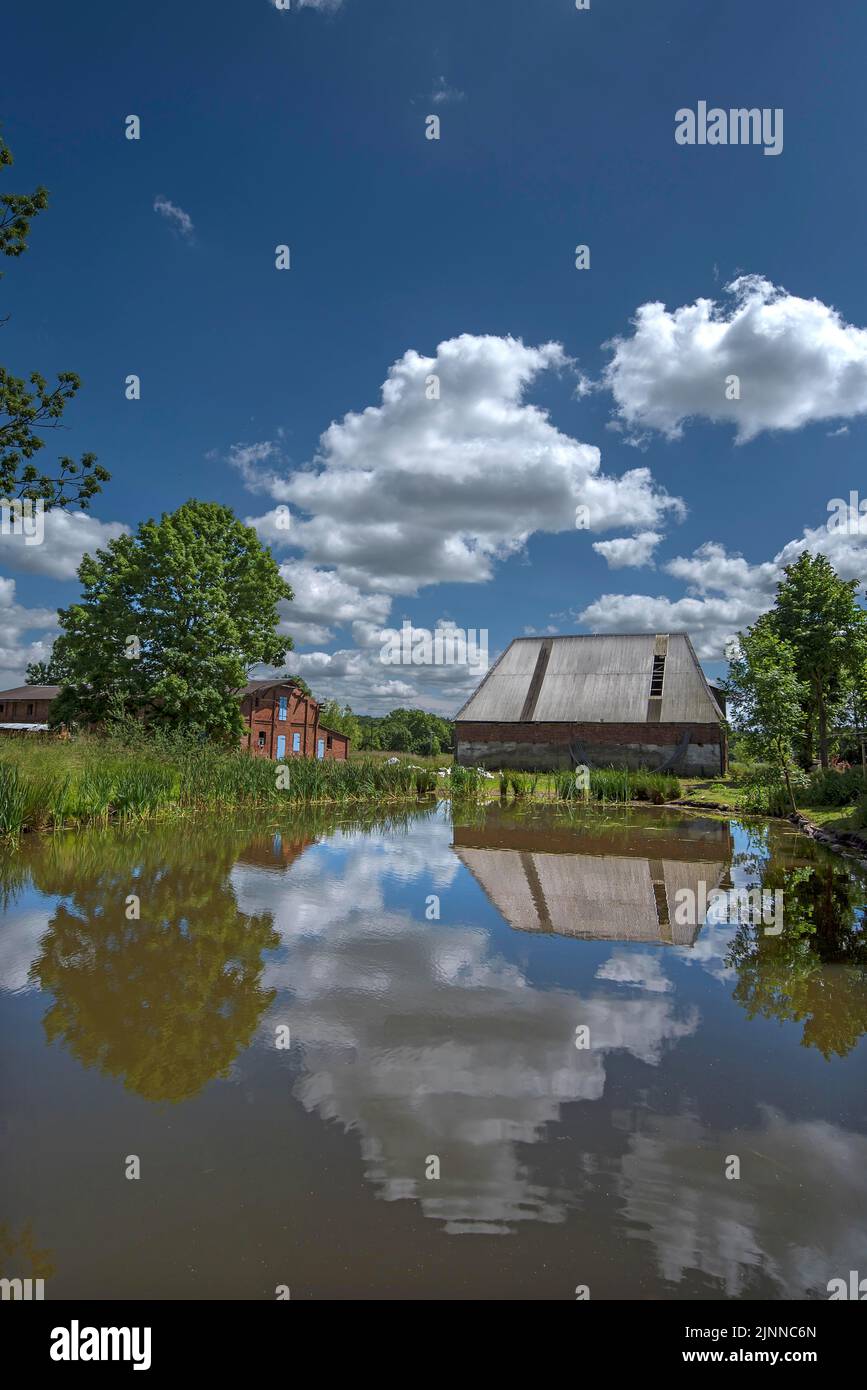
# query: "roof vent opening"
{"points": [[657, 677]]}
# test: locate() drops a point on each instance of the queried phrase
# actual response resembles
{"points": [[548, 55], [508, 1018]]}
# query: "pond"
{"points": [[470, 1054]]}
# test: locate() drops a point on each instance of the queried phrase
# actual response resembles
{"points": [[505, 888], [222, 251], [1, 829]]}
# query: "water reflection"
{"points": [[455, 1036], [581, 881], [815, 972], [164, 1002], [796, 1217]]}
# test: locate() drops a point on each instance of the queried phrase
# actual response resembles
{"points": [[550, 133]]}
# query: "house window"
{"points": [[30, 709], [261, 738], [657, 677], [281, 710], [296, 743], [320, 748], [329, 740]]}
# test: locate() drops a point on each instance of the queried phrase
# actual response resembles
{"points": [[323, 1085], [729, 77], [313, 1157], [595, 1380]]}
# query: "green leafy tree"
{"points": [[768, 699], [343, 721], [854, 711], [28, 407], [407, 731], [371, 739], [170, 621], [817, 616], [45, 673], [300, 682]]}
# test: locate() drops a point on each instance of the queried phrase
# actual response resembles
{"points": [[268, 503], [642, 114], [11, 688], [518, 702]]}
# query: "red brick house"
{"points": [[24, 709], [282, 722]]}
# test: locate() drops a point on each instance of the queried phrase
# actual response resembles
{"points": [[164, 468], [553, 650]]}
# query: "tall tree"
{"points": [[767, 697], [170, 622], [27, 407], [817, 616]]}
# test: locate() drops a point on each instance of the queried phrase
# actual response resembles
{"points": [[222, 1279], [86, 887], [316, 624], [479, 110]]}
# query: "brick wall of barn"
{"points": [[544, 746]]}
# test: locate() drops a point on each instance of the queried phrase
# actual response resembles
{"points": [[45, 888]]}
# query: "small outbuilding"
{"points": [[24, 708], [608, 700]]}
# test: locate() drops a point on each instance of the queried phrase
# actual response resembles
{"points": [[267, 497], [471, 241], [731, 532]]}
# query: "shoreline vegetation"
{"points": [[51, 784]]}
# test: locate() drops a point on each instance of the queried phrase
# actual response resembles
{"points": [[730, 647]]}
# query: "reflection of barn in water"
{"points": [[620, 885]]}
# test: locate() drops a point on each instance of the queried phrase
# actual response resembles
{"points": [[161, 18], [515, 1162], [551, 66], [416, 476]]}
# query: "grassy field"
{"points": [[729, 793]]}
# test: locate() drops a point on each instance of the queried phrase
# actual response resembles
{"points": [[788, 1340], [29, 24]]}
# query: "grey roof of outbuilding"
{"points": [[31, 692], [594, 679]]}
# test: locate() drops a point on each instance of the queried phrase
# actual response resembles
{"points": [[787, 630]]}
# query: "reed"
{"points": [[49, 785], [13, 802], [467, 783], [617, 785]]}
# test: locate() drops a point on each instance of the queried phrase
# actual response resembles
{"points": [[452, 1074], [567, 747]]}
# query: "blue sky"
{"points": [[261, 127]]}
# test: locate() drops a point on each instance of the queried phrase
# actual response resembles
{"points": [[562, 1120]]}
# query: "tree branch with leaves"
{"points": [[30, 406]]}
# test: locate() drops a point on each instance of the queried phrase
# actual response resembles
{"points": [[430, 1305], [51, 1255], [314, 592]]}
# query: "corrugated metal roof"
{"points": [[593, 679]]}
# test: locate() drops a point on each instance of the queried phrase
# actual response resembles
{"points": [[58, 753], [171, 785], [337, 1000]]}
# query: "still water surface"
{"points": [[415, 1037]]}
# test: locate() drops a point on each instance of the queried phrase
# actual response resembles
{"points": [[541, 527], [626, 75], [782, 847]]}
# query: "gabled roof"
{"points": [[257, 687], [31, 692], [593, 679]]}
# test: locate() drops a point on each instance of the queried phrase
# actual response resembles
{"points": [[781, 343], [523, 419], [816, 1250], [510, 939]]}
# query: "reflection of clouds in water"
{"points": [[637, 968], [805, 1175], [711, 950], [712, 943], [20, 933], [345, 875], [422, 1040]]}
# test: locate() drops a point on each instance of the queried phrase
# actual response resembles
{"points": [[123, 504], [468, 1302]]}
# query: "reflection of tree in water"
{"points": [[815, 972], [167, 1002]]}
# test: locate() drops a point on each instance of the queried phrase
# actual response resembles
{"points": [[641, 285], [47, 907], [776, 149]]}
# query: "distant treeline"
{"points": [[400, 731]]}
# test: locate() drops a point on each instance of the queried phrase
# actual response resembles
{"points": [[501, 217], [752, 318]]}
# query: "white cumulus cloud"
{"points": [[797, 361], [724, 592], [67, 538], [418, 491], [15, 621], [629, 551]]}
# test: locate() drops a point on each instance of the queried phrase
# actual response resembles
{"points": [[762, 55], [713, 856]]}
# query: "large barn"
{"points": [[638, 701]]}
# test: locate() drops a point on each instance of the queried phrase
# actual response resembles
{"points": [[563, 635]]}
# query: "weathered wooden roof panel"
{"points": [[594, 679]]}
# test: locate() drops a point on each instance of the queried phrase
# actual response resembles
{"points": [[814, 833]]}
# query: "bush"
{"points": [[763, 791], [828, 788]]}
